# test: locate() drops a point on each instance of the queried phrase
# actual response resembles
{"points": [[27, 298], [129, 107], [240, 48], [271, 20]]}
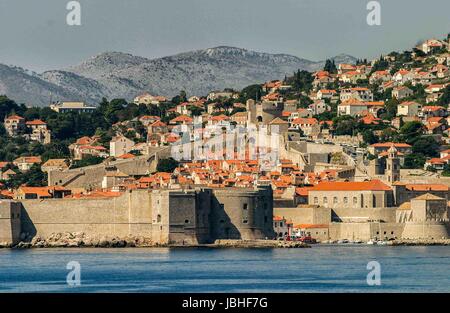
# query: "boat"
{"points": [[371, 242]]}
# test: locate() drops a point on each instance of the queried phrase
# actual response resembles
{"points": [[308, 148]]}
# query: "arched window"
{"points": [[345, 200], [335, 200], [355, 200]]}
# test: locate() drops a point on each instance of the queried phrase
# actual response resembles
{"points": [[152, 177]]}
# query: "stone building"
{"points": [[405, 192], [264, 112], [424, 217], [15, 125], [358, 195], [120, 145], [183, 216], [367, 210], [10, 219], [38, 131]]}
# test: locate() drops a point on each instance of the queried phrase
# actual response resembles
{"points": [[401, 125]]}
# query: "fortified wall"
{"points": [[194, 216], [10, 214], [423, 217]]}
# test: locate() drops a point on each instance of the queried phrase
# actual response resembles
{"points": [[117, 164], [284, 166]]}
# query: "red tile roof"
{"points": [[373, 185]]}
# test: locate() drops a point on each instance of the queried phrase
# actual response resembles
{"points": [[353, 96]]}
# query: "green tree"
{"points": [[330, 66], [391, 109], [414, 161], [444, 100], [86, 161], [8, 106], [31, 178], [253, 92], [167, 165], [369, 137], [182, 97], [55, 150], [345, 125], [411, 131], [446, 171], [426, 145]]}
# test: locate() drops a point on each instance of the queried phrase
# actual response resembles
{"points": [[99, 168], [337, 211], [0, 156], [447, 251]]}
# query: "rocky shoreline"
{"points": [[439, 242], [228, 243], [81, 240]]}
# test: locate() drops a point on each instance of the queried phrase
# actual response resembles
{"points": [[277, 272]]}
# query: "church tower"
{"points": [[392, 173]]}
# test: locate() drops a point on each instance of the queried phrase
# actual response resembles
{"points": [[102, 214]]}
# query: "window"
{"points": [[186, 221], [158, 218], [316, 200], [245, 206], [345, 200], [245, 222], [355, 200], [325, 200], [335, 200]]}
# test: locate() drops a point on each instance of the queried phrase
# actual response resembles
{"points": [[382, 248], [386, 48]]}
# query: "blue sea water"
{"points": [[319, 269]]}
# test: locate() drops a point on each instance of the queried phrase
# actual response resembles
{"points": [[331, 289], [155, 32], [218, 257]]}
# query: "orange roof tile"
{"points": [[373, 185]]}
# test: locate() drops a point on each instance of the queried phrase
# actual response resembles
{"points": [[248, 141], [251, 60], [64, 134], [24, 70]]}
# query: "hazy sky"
{"points": [[34, 34]]}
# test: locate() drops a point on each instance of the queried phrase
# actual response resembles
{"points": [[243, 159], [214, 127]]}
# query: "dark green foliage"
{"points": [[8, 106], [167, 165], [32, 178], [414, 161], [301, 81], [426, 145], [345, 125], [411, 131], [391, 109], [87, 160], [380, 65], [369, 137], [253, 92], [444, 100], [330, 66]]}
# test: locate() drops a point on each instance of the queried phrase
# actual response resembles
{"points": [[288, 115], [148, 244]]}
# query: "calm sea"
{"points": [[319, 269]]}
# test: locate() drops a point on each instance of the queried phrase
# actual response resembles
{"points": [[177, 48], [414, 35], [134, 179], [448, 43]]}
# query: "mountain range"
{"points": [[122, 75]]}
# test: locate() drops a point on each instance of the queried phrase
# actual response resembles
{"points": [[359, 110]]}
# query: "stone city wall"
{"points": [[9, 222], [129, 214]]}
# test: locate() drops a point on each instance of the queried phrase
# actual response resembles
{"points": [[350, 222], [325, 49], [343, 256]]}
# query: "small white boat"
{"points": [[371, 242], [381, 243]]}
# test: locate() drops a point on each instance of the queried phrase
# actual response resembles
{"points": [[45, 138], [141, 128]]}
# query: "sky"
{"points": [[35, 35]]}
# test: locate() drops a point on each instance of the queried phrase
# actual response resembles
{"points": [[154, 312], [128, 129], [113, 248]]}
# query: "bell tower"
{"points": [[392, 172]]}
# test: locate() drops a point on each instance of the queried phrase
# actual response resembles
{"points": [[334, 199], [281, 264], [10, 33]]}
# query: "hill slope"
{"points": [[121, 75]]}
